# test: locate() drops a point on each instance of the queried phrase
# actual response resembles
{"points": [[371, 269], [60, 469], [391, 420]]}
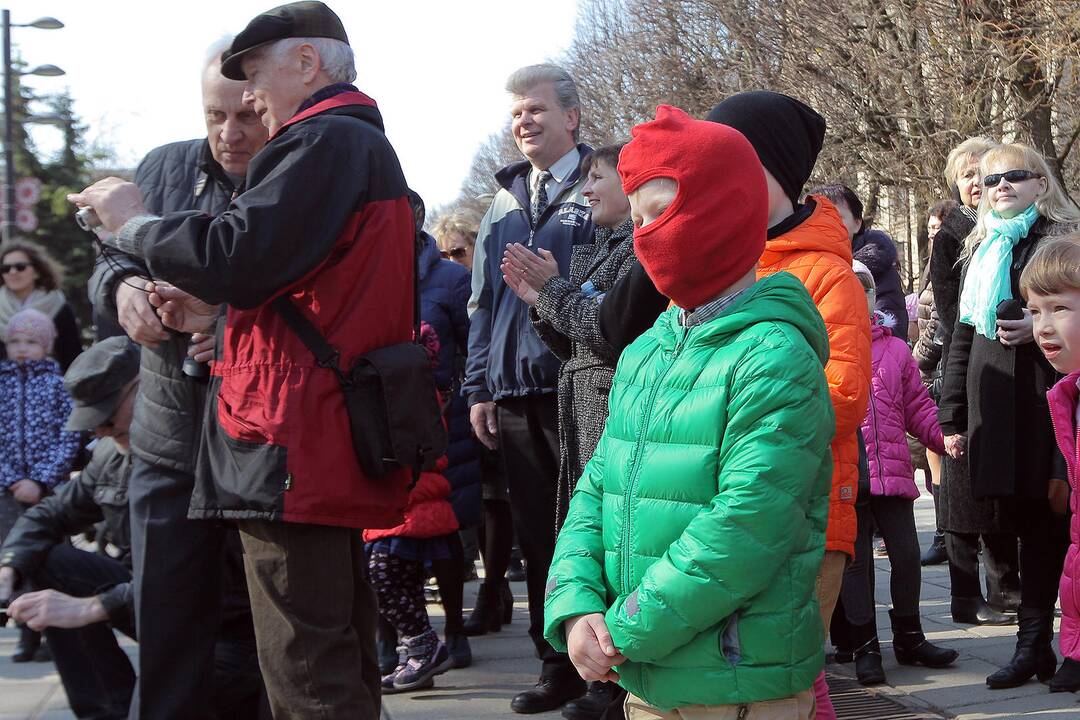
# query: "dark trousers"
{"points": [[95, 672], [1000, 556], [529, 441], [178, 566], [894, 517], [315, 616], [1044, 541]]}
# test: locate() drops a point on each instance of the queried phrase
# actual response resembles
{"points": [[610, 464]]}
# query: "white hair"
{"points": [[525, 79], [338, 61], [214, 52]]}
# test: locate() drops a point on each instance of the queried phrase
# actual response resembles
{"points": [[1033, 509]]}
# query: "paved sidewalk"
{"points": [[504, 665]]}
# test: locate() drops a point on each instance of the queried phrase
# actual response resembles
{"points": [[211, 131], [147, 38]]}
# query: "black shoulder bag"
{"points": [[390, 395]]}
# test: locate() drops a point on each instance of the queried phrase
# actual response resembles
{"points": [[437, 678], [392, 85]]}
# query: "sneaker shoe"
{"points": [[880, 551], [427, 657]]}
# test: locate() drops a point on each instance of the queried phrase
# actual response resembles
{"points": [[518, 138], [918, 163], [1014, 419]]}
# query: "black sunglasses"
{"points": [[455, 253], [1013, 176], [17, 267]]}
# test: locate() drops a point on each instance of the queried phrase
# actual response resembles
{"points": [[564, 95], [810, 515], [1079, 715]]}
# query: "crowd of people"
{"points": [[692, 391]]}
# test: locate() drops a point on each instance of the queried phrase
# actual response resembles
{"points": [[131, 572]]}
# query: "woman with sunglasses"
{"points": [[965, 519], [993, 408], [32, 280]]}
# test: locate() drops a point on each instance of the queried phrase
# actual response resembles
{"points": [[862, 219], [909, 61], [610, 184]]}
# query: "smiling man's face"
{"points": [[543, 131]]}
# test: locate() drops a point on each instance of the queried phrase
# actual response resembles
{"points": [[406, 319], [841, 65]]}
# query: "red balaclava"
{"points": [[714, 231]]}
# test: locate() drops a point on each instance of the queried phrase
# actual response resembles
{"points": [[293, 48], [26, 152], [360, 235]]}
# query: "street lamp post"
{"points": [[46, 23]]}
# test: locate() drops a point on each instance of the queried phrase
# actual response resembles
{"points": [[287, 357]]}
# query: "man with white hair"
{"points": [[324, 224], [187, 575]]}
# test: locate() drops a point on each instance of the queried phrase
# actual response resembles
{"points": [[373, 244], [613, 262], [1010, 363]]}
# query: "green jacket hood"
{"points": [[778, 297]]}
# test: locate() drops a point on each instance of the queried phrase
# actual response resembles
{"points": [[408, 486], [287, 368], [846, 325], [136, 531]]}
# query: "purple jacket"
{"points": [[1063, 398], [899, 404]]}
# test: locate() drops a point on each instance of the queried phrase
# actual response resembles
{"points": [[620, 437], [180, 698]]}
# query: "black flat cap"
{"points": [[96, 381], [307, 19]]}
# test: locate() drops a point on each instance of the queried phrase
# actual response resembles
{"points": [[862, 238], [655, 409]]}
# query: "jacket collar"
{"points": [[209, 168], [514, 178], [1063, 398], [340, 100]]}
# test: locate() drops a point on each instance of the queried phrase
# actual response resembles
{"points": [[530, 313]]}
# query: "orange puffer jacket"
{"points": [[818, 252]]}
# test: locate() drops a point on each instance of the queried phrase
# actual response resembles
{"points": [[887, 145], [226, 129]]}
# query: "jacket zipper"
{"points": [[877, 445], [635, 462], [1076, 448]]}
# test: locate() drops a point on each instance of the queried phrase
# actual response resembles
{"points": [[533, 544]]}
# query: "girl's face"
{"points": [[23, 348], [969, 184], [932, 227], [1009, 199], [603, 190], [1056, 320], [20, 277]]}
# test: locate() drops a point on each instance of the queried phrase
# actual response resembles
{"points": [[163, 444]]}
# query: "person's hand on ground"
{"points": [[49, 608], [589, 645], [181, 310], [136, 314], [482, 417]]}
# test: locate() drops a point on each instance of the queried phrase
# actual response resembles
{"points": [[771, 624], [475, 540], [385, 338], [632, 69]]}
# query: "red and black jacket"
{"points": [[324, 219]]}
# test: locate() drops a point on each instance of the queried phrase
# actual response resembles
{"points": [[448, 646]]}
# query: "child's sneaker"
{"points": [[426, 657]]}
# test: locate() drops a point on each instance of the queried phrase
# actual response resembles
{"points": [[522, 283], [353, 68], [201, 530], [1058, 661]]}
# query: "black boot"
{"points": [[1006, 602], [602, 701], [386, 645], [1033, 655], [868, 668], [487, 615], [975, 611], [936, 554], [507, 598], [29, 642], [1067, 678], [911, 646], [553, 691]]}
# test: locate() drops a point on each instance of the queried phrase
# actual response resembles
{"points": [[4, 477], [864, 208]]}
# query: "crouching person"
{"points": [[80, 597], [685, 570]]}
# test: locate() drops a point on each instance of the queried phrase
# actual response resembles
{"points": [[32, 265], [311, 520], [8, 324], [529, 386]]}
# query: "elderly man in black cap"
{"points": [[80, 597], [323, 232]]}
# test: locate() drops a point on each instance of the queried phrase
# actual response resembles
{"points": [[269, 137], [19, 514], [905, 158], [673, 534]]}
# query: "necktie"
{"points": [[540, 198]]}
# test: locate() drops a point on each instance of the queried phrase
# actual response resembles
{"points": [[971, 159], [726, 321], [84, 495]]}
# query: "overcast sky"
{"points": [[436, 69]]}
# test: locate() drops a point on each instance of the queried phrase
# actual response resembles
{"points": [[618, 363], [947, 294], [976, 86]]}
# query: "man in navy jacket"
{"points": [[511, 376]]}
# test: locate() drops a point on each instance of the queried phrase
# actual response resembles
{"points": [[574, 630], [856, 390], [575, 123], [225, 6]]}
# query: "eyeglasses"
{"points": [[13, 267], [1013, 176], [455, 253]]}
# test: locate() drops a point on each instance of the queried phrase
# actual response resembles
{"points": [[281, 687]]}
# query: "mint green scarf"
{"points": [[988, 281]]}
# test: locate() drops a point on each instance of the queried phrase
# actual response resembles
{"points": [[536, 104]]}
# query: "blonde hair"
{"points": [[960, 156], [1054, 267], [464, 221], [1054, 204]]}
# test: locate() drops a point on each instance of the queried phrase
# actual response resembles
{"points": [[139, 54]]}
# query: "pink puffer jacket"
{"points": [[1063, 398], [899, 404]]}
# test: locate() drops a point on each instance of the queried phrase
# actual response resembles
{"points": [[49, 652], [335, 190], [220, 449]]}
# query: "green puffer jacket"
{"points": [[698, 525]]}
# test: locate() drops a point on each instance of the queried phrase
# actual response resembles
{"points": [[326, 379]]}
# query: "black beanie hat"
{"points": [[786, 134]]}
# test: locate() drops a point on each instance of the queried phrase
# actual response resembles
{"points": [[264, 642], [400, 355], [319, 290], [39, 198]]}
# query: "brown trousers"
{"points": [[315, 615], [797, 707]]}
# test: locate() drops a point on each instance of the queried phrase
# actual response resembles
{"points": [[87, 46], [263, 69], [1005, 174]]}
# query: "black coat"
{"points": [[877, 251], [945, 272], [997, 395], [169, 407]]}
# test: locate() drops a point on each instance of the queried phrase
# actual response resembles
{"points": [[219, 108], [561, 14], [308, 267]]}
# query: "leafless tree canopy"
{"points": [[900, 82]]}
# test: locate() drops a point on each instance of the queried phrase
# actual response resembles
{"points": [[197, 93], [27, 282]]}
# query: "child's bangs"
{"points": [[1054, 268]]}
